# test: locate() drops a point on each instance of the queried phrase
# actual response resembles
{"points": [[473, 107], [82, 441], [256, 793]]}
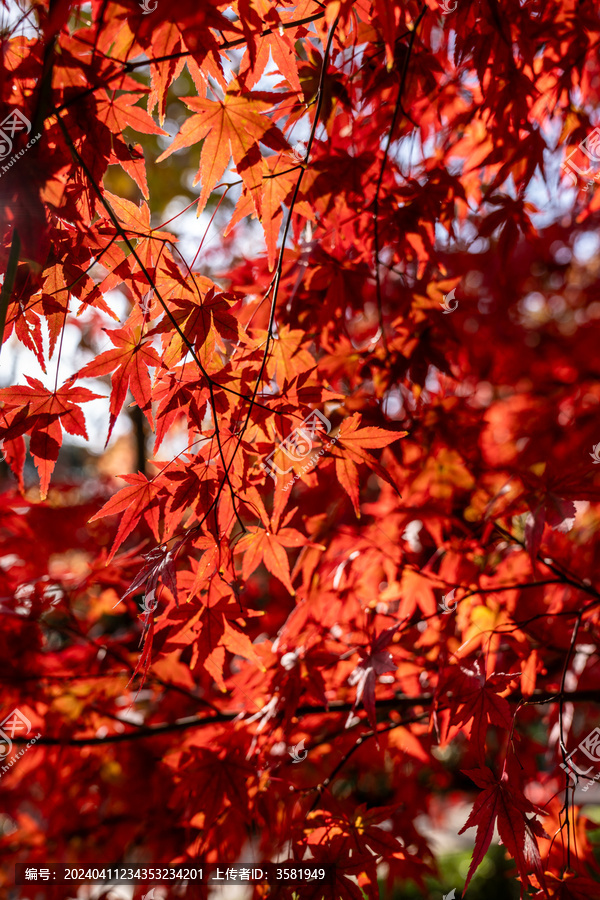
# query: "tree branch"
{"points": [[132, 66], [400, 700]]}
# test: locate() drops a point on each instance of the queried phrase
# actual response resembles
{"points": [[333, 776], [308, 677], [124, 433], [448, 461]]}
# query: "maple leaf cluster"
{"points": [[362, 363]]}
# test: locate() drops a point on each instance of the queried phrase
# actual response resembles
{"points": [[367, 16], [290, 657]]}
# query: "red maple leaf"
{"points": [[476, 699], [128, 363], [44, 414], [504, 805]]}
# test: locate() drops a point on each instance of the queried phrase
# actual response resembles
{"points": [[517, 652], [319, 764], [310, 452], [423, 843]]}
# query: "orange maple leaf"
{"points": [[129, 363], [44, 413], [230, 127]]}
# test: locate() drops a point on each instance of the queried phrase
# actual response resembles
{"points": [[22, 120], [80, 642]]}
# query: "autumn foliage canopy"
{"points": [[321, 260]]}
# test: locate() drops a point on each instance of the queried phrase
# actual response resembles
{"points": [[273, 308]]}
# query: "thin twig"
{"points": [[397, 109]]}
